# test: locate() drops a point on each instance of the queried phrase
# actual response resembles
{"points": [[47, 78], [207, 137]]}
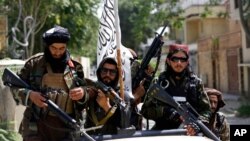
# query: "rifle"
{"points": [[155, 49], [185, 110], [108, 91], [12, 80]]}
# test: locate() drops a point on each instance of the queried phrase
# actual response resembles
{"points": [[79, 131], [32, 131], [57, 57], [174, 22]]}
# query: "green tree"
{"points": [[79, 16], [26, 18], [140, 19]]}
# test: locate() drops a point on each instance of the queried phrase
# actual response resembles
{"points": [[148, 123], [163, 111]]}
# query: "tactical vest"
{"points": [[61, 98], [188, 85]]}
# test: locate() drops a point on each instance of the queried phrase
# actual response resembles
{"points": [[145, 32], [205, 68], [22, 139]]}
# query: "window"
{"points": [[236, 4], [247, 42]]}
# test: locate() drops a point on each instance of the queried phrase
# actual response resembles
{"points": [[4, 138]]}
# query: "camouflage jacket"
{"points": [[32, 73], [189, 88], [220, 126]]}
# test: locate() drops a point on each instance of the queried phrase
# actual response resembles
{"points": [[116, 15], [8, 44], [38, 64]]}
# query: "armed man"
{"points": [[184, 86], [142, 75], [102, 110], [52, 69], [139, 92]]}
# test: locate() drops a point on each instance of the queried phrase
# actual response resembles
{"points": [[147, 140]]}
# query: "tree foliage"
{"points": [[140, 19], [79, 16]]}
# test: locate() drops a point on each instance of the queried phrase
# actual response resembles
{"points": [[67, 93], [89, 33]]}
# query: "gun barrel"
{"points": [[65, 117]]}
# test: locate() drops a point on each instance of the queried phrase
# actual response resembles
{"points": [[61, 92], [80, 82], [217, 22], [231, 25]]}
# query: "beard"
{"points": [[57, 64], [107, 81], [176, 74]]}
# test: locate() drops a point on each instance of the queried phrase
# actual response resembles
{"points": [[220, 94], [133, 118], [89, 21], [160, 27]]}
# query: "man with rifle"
{"points": [[183, 86], [139, 92], [43, 72], [101, 109], [142, 75]]}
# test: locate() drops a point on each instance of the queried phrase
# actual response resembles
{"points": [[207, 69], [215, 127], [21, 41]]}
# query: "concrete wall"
{"points": [[213, 26], [223, 73]]}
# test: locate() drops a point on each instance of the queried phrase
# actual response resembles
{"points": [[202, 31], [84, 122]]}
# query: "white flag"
{"points": [[107, 43]]}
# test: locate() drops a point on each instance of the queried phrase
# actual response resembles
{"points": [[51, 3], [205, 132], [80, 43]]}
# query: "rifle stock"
{"points": [[153, 50], [185, 110]]}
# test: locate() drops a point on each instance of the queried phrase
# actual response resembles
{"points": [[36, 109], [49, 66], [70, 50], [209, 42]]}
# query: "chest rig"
{"points": [[186, 90], [61, 97]]}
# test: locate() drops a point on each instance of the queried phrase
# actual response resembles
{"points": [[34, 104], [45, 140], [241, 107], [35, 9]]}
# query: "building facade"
{"points": [[215, 42]]}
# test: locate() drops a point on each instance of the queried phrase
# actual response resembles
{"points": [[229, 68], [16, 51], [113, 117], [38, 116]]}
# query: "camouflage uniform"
{"points": [[136, 117], [188, 88], [221, 127], [36, 120], [218, 122]]}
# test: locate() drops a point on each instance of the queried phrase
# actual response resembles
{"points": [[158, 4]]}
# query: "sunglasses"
{"points": [[106, 70], [177, 59]]}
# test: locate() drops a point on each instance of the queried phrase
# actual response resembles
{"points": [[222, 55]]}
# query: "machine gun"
{"points": [[155, 49], [12, 80], [185, 110]]}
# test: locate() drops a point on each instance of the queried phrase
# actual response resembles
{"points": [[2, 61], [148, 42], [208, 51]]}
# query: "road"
{"points": [[233, 102]]}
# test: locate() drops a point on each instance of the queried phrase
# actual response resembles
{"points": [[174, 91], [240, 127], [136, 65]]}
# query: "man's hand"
{"points": [[76, 93], [103, 101], [38, 99], [139, 92], [192, 129]]}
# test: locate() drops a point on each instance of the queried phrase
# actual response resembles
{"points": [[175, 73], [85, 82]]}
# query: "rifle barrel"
{"points": [[206, 131]]}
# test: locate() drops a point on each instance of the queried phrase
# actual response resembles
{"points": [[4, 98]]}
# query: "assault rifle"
{"points": [[109, 91], [155, 49], [12, 80], [111, 94], [185, 110]]}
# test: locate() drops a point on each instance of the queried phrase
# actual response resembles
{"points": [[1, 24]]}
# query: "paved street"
{"points": [[232, 103]]}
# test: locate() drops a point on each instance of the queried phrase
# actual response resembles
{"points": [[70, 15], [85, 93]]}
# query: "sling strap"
{"points": [[105, 119]]}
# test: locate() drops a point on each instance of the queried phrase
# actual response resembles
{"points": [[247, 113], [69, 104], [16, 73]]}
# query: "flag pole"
{"points": [[118, 43]]}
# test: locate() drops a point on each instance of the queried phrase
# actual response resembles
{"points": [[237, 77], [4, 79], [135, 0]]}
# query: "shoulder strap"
{"points": [[105, 119]]}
